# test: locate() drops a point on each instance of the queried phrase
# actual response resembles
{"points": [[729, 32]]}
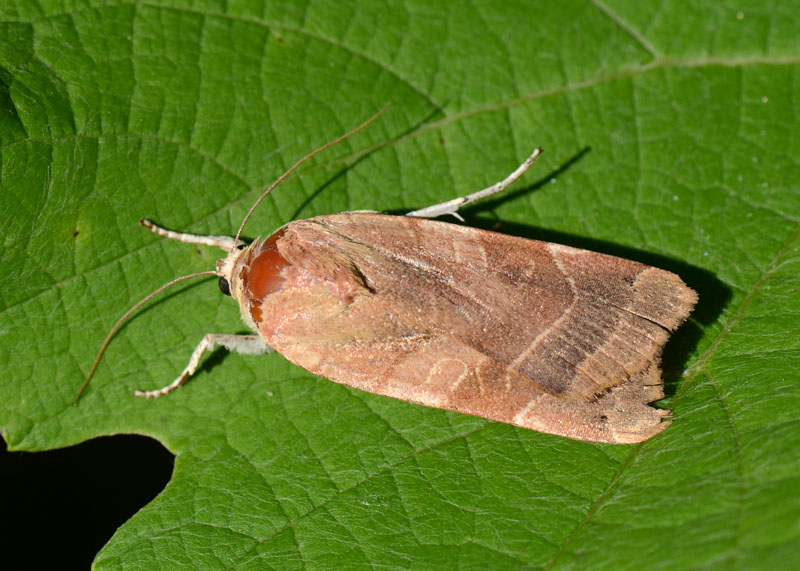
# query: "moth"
{"points": [[533, 334]]}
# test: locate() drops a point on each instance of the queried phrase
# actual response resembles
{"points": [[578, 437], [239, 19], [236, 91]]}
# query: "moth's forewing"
{"points": [[534, 334]]}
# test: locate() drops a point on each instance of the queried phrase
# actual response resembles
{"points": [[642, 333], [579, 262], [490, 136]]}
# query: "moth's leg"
{"points": [[249, 344], [452, 206], [225, 242]]}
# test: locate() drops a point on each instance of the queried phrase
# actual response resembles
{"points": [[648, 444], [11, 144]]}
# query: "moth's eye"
{"points": [[241, 246], [224, 286]]}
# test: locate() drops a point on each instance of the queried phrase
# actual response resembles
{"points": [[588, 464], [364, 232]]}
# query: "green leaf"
{"points": [[671, 138]]}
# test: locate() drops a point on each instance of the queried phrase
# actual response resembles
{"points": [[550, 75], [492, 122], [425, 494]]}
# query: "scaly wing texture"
{"points": [[538, 335]]}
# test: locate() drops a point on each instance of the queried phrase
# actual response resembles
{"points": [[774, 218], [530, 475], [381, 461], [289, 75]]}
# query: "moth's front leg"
{"points": [[224, 242], [249, 344]]}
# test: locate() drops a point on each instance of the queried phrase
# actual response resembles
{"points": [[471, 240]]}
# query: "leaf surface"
{"points": [[671, 138]]}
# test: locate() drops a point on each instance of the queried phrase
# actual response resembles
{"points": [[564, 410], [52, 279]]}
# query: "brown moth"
{"points": [[534, 334]]}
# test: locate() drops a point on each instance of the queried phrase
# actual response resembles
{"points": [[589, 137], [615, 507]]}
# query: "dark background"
{"points": [[58, 508]]}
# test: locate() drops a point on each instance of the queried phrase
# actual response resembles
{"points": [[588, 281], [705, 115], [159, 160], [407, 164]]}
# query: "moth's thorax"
{"points": [[255, 274]]}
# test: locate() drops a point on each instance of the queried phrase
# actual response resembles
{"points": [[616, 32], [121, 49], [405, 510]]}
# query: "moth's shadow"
{"points": [[217, 356], [713, 294]]}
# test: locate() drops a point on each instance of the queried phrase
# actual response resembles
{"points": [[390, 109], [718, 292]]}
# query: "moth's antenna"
{"points": [[283, 177], [301, 161], [122, 319]]}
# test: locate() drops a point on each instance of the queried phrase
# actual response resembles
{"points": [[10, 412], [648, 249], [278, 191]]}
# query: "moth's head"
{"points": [[226, 266], [252, 273]]}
